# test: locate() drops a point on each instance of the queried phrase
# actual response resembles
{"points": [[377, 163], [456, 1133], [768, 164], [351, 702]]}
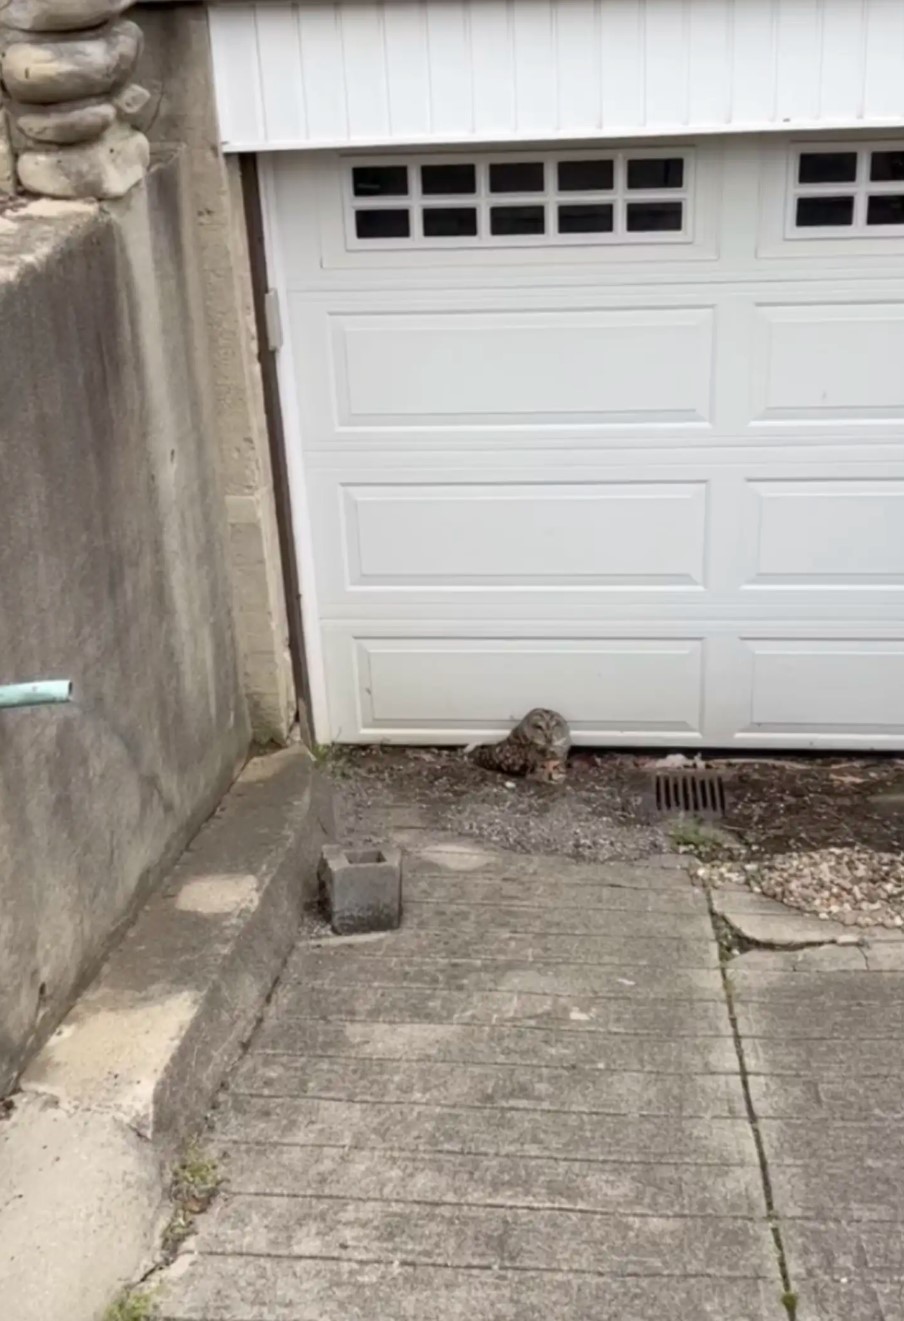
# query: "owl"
{"points": [[536, 748]]}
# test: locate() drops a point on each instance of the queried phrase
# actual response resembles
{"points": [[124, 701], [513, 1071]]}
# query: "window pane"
{"points": [[516, 177], [886, 209], [380, 180], [827, 167], [886, 166], [446, 180], [658, 172], [586, 176], [517, 220], [385, 223], [819, 212], [586, 219], [450, 221], [648, 216]]}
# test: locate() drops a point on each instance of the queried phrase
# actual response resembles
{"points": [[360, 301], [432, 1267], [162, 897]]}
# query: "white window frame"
{"points": [[550, 198], [861, 189]]}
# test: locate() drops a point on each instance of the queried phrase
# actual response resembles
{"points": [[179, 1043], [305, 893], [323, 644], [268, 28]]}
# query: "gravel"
{"points": [[590, 818], [821, 834], [855, 886]]}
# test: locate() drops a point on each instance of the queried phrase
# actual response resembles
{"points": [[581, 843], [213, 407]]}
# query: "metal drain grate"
{"points": [[689, 793]]}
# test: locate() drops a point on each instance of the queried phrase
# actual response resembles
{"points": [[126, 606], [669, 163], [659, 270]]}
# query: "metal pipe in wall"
{"points": [[43, 692]]}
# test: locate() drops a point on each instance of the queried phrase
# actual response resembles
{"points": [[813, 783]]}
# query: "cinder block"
{"points": [[362, 888]]}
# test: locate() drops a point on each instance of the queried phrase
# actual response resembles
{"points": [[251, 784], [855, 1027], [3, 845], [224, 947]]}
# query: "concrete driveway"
{"points": [[548, 1094]]}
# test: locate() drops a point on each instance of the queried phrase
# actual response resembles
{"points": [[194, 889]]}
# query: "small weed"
{"points": [[196, 1181], [689, 835], [197, 1176], [133, 1305], [331, 758], [789, 1301], [729, 945]]}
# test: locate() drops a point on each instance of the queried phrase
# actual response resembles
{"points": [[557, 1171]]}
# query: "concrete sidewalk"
{"points": [[822, 1034], [526, 1103]]}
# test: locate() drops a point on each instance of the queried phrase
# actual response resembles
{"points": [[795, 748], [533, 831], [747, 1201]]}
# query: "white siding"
{"points": [[378, 72]]}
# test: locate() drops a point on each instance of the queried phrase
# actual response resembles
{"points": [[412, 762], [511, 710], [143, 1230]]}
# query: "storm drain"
{"points": [[689, 793]]}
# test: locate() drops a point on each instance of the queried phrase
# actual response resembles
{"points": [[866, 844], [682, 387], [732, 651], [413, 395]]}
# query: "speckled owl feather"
{"points": [[537, 748]]}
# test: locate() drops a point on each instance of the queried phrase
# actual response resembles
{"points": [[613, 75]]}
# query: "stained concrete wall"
{"points": [[176, 67], [113, 573]]}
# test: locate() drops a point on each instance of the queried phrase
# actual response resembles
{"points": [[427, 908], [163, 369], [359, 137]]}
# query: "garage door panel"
{"points": [[493, 368], [827, 687], [601, 534], [621, 685], [621, 539], [822, 363], [425, 381], [663, 496], [825, 533]]}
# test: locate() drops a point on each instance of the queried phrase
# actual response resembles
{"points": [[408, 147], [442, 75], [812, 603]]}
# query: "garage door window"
{"points": [[534, 200], [847, 190]]}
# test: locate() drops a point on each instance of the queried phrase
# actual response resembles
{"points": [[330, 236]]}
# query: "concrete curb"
{"points": [[85, 1154]]}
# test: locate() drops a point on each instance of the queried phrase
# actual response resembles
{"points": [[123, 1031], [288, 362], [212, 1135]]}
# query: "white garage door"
{"points": [[617, 431]]}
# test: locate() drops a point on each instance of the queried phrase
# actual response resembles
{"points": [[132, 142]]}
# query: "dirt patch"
{"points": [[780, 806], [596, 815], [797, 805]]}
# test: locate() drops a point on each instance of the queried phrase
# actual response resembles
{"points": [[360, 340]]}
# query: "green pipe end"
{"points": [[43, 692]]}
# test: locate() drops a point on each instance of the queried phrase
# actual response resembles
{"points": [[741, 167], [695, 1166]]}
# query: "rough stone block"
{"points": [[59, 15], [82, 121], [44, 72], [106, 168], [7, 165], [362, 888]]}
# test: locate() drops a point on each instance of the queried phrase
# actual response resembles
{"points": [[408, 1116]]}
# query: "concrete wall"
{"points": [[113, 574], [176, 67]]}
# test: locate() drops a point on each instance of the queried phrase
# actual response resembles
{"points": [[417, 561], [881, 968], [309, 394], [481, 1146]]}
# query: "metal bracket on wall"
{"points": [[273, 321]]}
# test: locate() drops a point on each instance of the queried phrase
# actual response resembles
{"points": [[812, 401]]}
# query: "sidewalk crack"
{"points": [[789, 1294]]}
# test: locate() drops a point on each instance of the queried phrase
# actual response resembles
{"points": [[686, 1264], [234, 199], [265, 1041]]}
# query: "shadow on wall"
{"points": [[113, 574]]}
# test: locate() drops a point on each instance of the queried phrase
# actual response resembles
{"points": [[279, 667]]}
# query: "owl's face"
{"points": [[547, 730]]}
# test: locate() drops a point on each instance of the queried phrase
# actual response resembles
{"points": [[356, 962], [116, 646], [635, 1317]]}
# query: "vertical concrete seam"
{"points": [[789, 1294]]}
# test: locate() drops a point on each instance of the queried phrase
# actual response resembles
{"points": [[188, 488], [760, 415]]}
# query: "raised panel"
{"points": [[841, 64], [281, 88], [620, 685], [364, 69], [531, 367], [535, 67], [666, 83], [321, 72], [233, 49], [825, 533], [824, 363], [579, 96], [827, 686], [492, 67], [622, 60], [451, 112], [797, 64], [407, 69], [708, 53], [526, 535], [882, 56], [753, 62]]}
